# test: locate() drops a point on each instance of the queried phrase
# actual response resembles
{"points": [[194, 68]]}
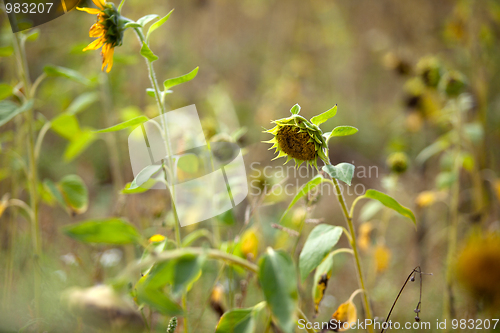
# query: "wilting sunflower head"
{"points": [[478, 267], [108, 29], [297, 138]]}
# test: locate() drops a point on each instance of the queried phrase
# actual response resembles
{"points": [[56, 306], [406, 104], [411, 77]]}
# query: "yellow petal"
{"points": [[107, 57], [92, 11], [99, 3], [364, 235], [96, 30], [95, 44], [382, 258]]}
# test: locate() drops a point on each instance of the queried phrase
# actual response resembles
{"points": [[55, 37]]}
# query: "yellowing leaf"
{"points": [[382, 258], [249, 244], [345, 316], [425, 198], [364, 235]]}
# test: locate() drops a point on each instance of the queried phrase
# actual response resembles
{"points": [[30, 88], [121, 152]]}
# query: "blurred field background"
{"points": [[258, 58]]}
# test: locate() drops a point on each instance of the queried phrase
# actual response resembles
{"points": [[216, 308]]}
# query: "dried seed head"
{"points": [[412, 279], [453, 83], [417, 318], [398, 162], [430, 70], [297, 138]]}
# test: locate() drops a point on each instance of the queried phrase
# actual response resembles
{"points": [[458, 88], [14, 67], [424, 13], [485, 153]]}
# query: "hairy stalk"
{"points": [[170, 169], [33, 178], [352, 232]]}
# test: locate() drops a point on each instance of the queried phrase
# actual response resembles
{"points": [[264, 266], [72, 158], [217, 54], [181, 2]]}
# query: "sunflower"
{"points": [[299, 139], [108, 29]]}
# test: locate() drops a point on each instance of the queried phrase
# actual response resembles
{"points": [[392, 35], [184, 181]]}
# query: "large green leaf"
{"points": [[391, 203], [318, 244], [66, 125], [129, 123], [341, 171], [5, 90], [82, 102], [106, 231], [321, 118], [239, 320], [158, 24], [306, 188], [147, 53], [146, 19], [75, 193], [78, 144], [340, 131], [157, 299], [144, 175], [9, 110], [277, 278], [180, 273], [181, 79], [56, 71]]}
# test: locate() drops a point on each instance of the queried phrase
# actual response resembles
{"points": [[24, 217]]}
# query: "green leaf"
{"points": [[78, 144], [321, 118], [295, 109], [341, 171], [147, 53], [54, 191], [132, 25], [66, 125], [188, 163], [31, 35], [143, 188], [340, 131], [150, 92], [181, 79], [82, 102], [6, 51], [319, 242], [144, 175], [5, 90], [57, 71], [158, 24], [180, 273], [390, 203], [146, 19], [237, 321], [441, 144], [75, 193], [9, 110], [158, 300], [129, 123], [106, 231], [306, 188], [277, 278]]}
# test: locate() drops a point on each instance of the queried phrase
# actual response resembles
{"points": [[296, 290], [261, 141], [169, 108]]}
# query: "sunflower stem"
{"points": [[22, 65], [353, 242], [170, 169]]}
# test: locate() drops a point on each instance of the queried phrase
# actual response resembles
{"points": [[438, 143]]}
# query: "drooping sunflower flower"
{"points": [[297, 138], [108, 29]]}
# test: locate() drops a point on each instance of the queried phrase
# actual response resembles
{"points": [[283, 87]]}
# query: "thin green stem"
{"points": [[170, 169], [354, 247], [33, 178]]}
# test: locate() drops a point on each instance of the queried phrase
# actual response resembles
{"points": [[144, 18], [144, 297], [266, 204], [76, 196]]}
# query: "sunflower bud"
{"points": [[297, 138], [397, 162]]}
